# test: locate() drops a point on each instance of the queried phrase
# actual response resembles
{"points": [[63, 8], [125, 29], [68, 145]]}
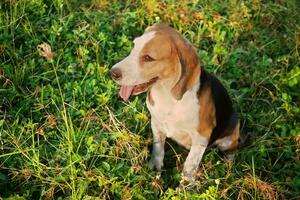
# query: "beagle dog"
{"points": [[186, 103]]}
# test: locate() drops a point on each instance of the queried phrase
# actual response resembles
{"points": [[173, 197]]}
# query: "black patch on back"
{"points": [[226, 117]]}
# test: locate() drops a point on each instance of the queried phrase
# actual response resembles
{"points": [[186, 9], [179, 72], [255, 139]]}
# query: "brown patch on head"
{"points": [[207, 116], [157, 27], [159, 50], [172, 56]]}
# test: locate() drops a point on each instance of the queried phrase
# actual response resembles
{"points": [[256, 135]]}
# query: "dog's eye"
{"points": [[147, 58]]}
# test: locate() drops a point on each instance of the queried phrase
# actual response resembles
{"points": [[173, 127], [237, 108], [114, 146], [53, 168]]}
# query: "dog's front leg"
{"points": [[158, 151], [192, 162]]}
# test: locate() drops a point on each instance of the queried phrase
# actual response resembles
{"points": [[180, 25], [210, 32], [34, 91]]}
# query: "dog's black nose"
{"points": [[116, 73]]}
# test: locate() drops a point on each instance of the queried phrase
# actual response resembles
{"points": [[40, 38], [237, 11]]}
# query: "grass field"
{"points": [[65, 133]]}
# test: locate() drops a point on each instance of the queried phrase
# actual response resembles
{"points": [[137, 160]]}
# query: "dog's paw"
{"points": [[154, 163], [188, 176], [187, 186], [230, 157], [187, 183], [153, 167], [186, 179]]}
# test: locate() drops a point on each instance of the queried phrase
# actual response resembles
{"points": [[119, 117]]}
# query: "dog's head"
{"points": [[161, 53]]}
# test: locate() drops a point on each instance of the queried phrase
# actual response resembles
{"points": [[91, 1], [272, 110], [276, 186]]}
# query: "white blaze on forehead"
{"points": [[141, 41]]}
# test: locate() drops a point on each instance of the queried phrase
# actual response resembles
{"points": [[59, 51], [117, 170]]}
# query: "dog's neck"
{"points": [[163, 88]]}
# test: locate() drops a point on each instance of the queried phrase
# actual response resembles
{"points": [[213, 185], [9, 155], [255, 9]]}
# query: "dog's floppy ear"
{"points": [[187, 69]]}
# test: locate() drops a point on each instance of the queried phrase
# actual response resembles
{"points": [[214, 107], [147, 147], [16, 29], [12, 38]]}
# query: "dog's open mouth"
{"points": [[127, 90]]}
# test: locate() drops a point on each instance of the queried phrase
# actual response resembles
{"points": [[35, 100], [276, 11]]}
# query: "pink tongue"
{"points": [[125, 92]]}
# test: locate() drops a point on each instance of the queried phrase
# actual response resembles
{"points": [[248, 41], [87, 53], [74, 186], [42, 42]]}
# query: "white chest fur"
{"points": [[179, 120]]}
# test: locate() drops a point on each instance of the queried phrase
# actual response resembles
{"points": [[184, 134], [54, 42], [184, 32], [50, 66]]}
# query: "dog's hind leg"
{"points": [[230, 143]]}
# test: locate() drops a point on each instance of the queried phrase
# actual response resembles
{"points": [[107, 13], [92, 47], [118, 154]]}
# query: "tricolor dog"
{"points": [[186, 103]]}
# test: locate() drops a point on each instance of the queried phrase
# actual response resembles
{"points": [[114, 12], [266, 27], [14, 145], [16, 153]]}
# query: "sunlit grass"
{"points": [[64, 133]]}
